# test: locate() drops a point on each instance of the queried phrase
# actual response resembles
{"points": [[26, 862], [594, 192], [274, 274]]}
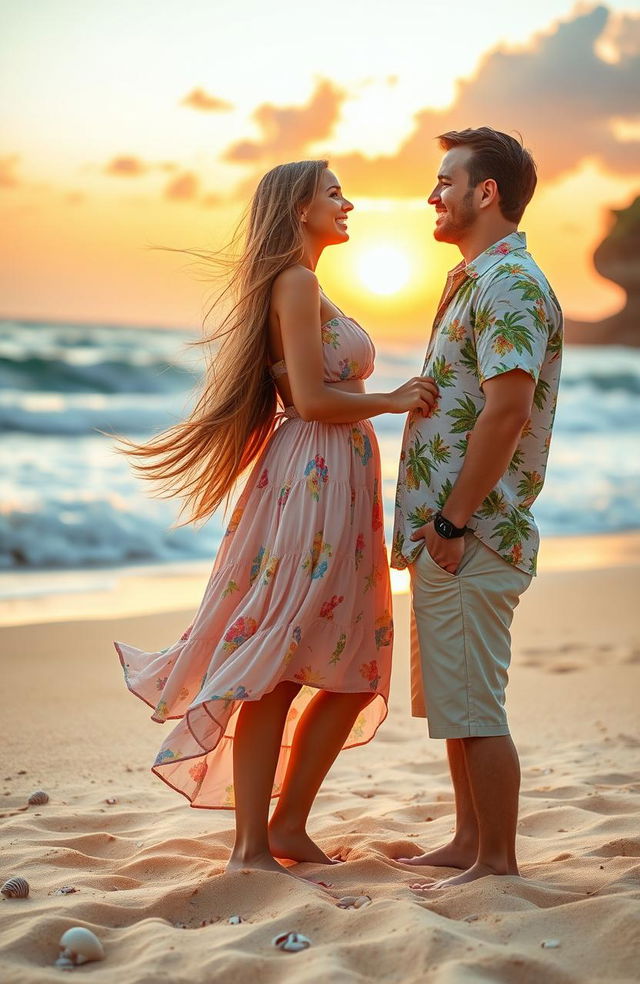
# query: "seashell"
{"points": [[470, 919], [347, 901], [234, 920], [111, 800], [291, 942], [38, 798], [65, 890], [79, 945], [15, 888], [550, 944], [361, 901], [354, 901]]}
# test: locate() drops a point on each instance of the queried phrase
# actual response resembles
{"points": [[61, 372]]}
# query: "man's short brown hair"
{"points": [[501, 157]]}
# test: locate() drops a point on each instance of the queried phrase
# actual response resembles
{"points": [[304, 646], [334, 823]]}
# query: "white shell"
{"points": [[234, 920], [354, 901], [38, 798], [80, 945], [550, 944], [291, 942], [15, 888], [346, 901]]}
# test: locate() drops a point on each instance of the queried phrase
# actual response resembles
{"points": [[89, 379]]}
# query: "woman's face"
{"points": [[325, 219]]}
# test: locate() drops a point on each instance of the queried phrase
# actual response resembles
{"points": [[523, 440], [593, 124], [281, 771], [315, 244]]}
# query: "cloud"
{"points": [[621, 37], [8, 166], [202, 101], [287, 131], [126, 167], [183, 188], [559, 91]]}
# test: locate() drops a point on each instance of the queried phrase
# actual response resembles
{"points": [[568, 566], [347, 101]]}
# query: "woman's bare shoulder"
{"points": [[296, 280]]}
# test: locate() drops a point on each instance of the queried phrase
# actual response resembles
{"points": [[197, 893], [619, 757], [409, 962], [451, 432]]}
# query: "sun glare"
{"points": [[384, 269]]}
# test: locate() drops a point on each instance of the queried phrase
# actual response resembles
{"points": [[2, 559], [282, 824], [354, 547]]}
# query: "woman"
{"points": [[289, 655]]}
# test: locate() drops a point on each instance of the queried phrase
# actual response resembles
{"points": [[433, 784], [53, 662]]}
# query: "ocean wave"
{"points": [[63, 533], [58, 375], [79, 415]]}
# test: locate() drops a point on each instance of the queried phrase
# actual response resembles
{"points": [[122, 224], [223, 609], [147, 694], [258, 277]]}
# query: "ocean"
{"points": [[69, 501]]}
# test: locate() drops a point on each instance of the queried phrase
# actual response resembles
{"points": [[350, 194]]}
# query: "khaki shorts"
{"points": [[460, 641]]}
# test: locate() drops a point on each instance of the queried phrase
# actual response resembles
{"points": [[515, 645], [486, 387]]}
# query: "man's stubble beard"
{"points": [[462, 223]]}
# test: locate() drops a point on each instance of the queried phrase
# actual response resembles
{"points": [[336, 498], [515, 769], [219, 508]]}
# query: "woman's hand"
{"points": [[419, 393]]}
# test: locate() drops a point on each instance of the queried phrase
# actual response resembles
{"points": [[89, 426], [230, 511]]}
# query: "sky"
{"points": [[127, 125]]}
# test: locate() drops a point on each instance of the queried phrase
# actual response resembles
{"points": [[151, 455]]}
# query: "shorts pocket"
{"points": [[435, 566]]}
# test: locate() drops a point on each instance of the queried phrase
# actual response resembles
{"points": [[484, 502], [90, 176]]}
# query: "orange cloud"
{"points": [[183, 188], [126, 167], [8, 177], [201, 100], [287, 131]]}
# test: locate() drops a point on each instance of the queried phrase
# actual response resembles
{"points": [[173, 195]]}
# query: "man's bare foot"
{"points": [[296, 846], [474, 872], [452, 855]]}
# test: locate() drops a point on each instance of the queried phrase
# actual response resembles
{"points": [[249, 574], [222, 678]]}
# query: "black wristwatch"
{"points": [[446, 529]]}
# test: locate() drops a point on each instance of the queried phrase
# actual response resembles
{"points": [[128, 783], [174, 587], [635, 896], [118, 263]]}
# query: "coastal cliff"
{"points": [[618, 259]]}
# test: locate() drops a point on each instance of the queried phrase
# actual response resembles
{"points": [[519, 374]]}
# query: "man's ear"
{"points": [[489, 192]]}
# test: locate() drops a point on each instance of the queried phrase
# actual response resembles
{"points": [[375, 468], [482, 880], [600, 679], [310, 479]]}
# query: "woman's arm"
{"points": [[295, 300]]}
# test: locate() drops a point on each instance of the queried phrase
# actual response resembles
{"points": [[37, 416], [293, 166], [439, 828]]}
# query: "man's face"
{"points": [[454, 201]]}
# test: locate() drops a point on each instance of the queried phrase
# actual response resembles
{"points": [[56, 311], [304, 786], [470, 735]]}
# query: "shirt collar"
{"points": [[496, 252]]}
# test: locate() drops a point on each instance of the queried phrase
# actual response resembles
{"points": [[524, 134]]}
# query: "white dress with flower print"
{"points": [[299, 591]]}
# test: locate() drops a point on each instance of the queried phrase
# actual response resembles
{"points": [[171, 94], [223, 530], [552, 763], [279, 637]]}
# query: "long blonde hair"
{"points": [[200, 459]]}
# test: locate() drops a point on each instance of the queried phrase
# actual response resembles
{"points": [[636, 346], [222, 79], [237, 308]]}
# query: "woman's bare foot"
{"points": [[257, 862], [296, 845], [452, 855]]}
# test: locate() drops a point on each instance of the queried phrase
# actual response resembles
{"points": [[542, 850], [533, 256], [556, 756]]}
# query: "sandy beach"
{"points": [[147, 869]]}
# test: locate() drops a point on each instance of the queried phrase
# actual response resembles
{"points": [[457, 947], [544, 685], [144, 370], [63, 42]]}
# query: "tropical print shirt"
{"points": [[497, 313]]}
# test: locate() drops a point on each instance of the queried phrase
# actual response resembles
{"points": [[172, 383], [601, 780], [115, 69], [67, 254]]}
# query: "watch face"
{"points": [[443, 527]]}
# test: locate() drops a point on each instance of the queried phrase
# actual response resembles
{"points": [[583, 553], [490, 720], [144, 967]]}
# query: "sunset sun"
{"points": [[384, 269]]}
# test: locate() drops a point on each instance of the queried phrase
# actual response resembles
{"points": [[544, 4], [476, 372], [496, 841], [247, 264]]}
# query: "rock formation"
{"points": [[618, 259]]}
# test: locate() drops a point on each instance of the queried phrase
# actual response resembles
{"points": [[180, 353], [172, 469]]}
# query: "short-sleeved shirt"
{"points": [[497, 313]]}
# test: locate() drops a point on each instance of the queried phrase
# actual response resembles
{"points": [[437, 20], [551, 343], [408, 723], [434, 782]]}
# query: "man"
{"points": [[468, 477]]}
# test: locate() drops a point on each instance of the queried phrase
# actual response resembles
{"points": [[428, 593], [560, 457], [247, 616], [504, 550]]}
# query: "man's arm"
{"points": [[508, 375], [509, 398], [491, 443]]}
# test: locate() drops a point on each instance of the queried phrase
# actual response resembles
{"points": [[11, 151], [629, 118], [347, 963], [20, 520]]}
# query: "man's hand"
{"points": [[447, 554]]}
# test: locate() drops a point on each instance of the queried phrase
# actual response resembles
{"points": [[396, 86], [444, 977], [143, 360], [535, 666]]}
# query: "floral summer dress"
{"points": [[299, 591]]}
